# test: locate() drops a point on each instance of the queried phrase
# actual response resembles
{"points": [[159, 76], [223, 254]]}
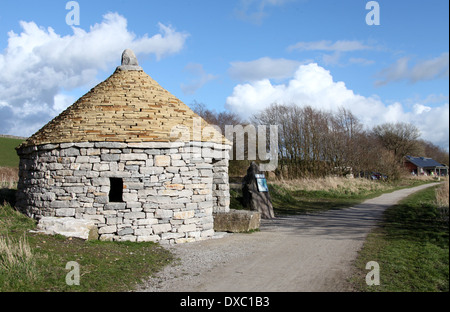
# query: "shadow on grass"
{"points": [[8, 196], [302, 202], [303, 206]]}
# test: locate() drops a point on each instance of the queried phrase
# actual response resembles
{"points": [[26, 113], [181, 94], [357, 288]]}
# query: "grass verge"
{"points": [[411, 247], [37, 263]]}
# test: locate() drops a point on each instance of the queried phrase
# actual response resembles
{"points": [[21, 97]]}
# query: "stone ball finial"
{"points": [[129, 61]]}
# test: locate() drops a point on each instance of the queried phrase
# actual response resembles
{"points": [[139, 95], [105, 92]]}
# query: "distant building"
{"points": [[425, 166]]}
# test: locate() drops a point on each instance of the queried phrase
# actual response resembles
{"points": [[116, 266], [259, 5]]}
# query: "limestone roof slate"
{"points": [[129, 106]]}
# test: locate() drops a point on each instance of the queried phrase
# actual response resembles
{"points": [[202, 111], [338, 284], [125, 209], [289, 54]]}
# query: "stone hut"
{"points": [[130, 157]]}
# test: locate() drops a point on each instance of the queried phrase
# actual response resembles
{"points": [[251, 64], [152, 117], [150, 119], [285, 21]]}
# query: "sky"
{"points": [[386, 61]]}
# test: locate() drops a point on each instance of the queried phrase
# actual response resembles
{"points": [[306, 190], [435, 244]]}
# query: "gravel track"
{"points": [[313, 252]]}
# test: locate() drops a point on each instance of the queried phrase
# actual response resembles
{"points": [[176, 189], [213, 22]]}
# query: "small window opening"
{"points": [[116, 190]]}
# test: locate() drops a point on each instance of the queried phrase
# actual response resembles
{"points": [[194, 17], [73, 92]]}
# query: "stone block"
{"points": [[162, 160], [100, 182], [110, 157], [65, 212], [101, 167], [110, 145], [82, 159], [69, 227], [60, 204], [161, 228], [133, 156], [151, 170], [93, 152], [147, 221], [115, 206], [132, 197], [163, 214], [148, 238], [125, 231], [110, 229], [143, 232], [182, 215], [84, 145], [113, 220], [178, 163], [174, 186], [134, 185], [187, 228], [69, 152], [237, 221], [134, 215], [101, 199]]}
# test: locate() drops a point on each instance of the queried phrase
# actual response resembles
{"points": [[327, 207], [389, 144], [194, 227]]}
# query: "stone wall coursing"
{"points": [[170, 190]]}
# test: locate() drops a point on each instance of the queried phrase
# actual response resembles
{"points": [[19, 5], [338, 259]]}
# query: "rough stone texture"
{"points": [[253, 198], [159, 203], [237, 221], [132, 158], [70, 227], [129, 61], [128, 107]]}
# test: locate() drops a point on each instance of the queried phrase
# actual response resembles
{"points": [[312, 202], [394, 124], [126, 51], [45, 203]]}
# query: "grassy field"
{"points": [[411, 247], [313, 195], [37, 263], [31, 262], [8, 156]]}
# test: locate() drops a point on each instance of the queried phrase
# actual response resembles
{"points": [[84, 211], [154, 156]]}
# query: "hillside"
{"points": [[8, 155]]}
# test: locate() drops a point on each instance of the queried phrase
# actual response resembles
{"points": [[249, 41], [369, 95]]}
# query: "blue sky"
{"points": [[237, 55]]}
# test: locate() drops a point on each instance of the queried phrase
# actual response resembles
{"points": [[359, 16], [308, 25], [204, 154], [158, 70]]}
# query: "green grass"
{"points": [[287, 202], [411, 247], [291, 201], [8, 155], [104, 266]]}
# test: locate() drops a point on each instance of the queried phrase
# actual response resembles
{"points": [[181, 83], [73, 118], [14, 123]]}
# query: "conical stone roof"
{"points": [[129, 106]]}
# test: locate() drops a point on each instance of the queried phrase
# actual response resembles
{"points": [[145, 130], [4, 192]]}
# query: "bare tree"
{"points": [[317, 143], [400, 138], [236, 167], [434, 151], [218, 119]]}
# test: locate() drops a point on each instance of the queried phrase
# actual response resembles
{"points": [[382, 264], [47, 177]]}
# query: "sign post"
{"points": [[256, 192]]}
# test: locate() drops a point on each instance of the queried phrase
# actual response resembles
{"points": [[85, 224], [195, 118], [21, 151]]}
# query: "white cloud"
{"points": [[336, 49], [201, 77], [418, 109], [169, 42], [431, 69], [433, 124], [314, 86], [263, 68], [38, 64], [62, 101]]}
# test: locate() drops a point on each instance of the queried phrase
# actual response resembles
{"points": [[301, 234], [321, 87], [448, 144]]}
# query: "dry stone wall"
{"points": [[156, 191]]}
